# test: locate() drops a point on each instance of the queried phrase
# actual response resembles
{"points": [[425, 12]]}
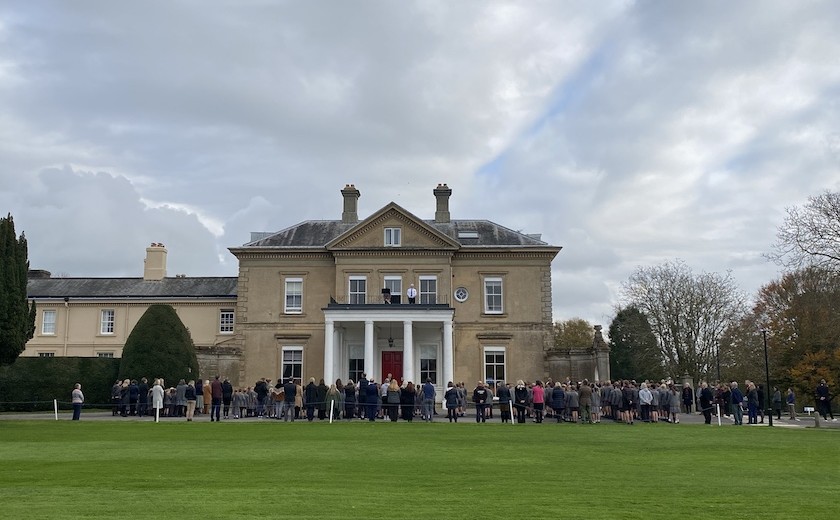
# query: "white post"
{"points": [[55, 406], [717, 405], [332, 405], [157, 414]]}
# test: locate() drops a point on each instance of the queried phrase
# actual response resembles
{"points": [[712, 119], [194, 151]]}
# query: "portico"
{"points": [[369, 338]]}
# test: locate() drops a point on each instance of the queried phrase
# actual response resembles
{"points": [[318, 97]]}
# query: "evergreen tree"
{"points": [[633, 350], [159, 346], [17, 315]]}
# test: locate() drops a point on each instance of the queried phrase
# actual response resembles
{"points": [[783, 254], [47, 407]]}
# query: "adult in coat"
{"points": [[558, 401], [157, 398]]}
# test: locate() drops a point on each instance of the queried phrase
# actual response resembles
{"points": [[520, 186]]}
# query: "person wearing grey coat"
{"points": [[181, 398]]}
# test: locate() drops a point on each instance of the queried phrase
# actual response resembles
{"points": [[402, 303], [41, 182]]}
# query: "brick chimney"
{"points": [[442, 194], [155, 262], [351, 195]]}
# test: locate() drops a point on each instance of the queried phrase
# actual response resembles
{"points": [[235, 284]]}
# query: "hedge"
{"points": [[31, 383]]}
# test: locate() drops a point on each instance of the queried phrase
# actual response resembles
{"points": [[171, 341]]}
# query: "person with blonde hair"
{"points": [[332, 402], [78, 398], [157, 398], [392, 399]]}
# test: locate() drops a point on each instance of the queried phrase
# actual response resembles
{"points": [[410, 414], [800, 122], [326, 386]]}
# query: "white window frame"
{"points": [[292, 309], [48, 325], [494, 281], [291, 350], [396, 288], [351, 296], [355, 352], [46, 354], [393, 237], [109, 354], [494, 350], [227, 321], [107, 321], [422, 354], [423, 294]]}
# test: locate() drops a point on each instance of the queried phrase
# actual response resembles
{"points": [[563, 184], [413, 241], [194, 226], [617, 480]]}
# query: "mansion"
{"points": [[441, 299]]}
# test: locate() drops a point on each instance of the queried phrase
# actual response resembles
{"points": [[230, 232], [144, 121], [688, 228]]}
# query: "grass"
{"points": [[99, 469]]}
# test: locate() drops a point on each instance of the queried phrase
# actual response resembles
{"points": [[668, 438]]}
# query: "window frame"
{"points": [[292, 363], [225, 324], [287, 309], [107, 327], [494, 350], [46, 354], [44, 322], [432, 373], [487, 283], [355, 373], [106, 354], [423, 296], [392, 237], [393, 278], [352, 296]]}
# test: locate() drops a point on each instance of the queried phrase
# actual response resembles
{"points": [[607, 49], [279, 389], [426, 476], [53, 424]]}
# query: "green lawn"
{"points": [[113, 469]]}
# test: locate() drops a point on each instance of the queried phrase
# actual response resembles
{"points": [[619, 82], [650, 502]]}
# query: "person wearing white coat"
{"points": [[157, 398]]}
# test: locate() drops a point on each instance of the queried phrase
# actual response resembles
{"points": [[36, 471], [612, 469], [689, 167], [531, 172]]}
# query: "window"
{"points": [[358, 290], [46, 354], [428, 289], [292, 362], [105, 354], [494, 365], [294, 295], [428, 363], [226, 321], [393, 237], [461, 294], [357, 362], [493, 295], [106, 323], [394, 284], [48, 322]]}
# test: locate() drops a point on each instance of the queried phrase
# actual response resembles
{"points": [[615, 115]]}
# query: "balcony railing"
{"points": [[439, 300]]}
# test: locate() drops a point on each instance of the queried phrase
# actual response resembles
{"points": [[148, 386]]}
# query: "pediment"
{"points": [[370, 233]]}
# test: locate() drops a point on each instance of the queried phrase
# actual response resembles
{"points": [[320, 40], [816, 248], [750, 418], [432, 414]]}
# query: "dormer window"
{"points": [[393, 237]]}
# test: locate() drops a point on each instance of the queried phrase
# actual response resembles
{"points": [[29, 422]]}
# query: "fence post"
{"points": [[55, 407]]}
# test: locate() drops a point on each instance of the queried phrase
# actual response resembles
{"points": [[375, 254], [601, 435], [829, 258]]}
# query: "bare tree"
{"points": [[810, 235], [687, 312]]}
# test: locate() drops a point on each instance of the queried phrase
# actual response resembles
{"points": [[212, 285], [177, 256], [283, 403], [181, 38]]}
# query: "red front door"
{"points": [[392, 363]]}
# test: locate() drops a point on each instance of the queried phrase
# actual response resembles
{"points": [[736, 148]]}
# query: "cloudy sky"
{"points": [[629, 133]]}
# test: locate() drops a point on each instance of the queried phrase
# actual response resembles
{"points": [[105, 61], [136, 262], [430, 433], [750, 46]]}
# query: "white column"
{"points": [[447, 352], [369, 347], [408, 352], [329, 351]]}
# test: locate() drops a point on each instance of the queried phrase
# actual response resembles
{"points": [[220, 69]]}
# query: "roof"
{"points": [[179, 287], [318, 233]]}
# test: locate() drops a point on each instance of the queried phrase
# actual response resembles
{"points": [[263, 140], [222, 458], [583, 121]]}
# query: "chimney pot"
{"points": [[351, 195], [442, 194]]}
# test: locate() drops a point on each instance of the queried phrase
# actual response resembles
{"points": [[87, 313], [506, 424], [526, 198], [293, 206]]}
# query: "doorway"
{"points": [[392, 363]]}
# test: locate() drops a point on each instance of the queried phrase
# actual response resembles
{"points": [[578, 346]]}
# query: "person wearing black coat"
{"points": [[310, 397], [143, 403], [133, 397], [349, 400], [558, 401], [227, 396], [321, 400], [503, 393], [372, 399], [407, 395], [520, 400], [706, 402]]}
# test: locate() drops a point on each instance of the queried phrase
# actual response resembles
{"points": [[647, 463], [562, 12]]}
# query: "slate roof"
{"points": [[317, 233], [182, 287]]}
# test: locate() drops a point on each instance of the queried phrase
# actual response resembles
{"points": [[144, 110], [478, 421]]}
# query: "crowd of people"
{"points": [[563, 401]]}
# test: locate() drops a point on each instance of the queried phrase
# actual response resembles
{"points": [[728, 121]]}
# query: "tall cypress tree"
{"points": [[17, 315]]}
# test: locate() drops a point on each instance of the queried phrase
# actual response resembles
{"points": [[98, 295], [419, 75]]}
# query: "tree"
{"points": [[573, 334], [810, 235], [801, 312], [17, 315], [687, 313], [634, 353], [159, 346]]}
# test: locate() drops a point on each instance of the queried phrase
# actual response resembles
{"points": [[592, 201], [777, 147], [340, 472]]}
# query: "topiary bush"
{"points": [[31, 384], [159, 346]]}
